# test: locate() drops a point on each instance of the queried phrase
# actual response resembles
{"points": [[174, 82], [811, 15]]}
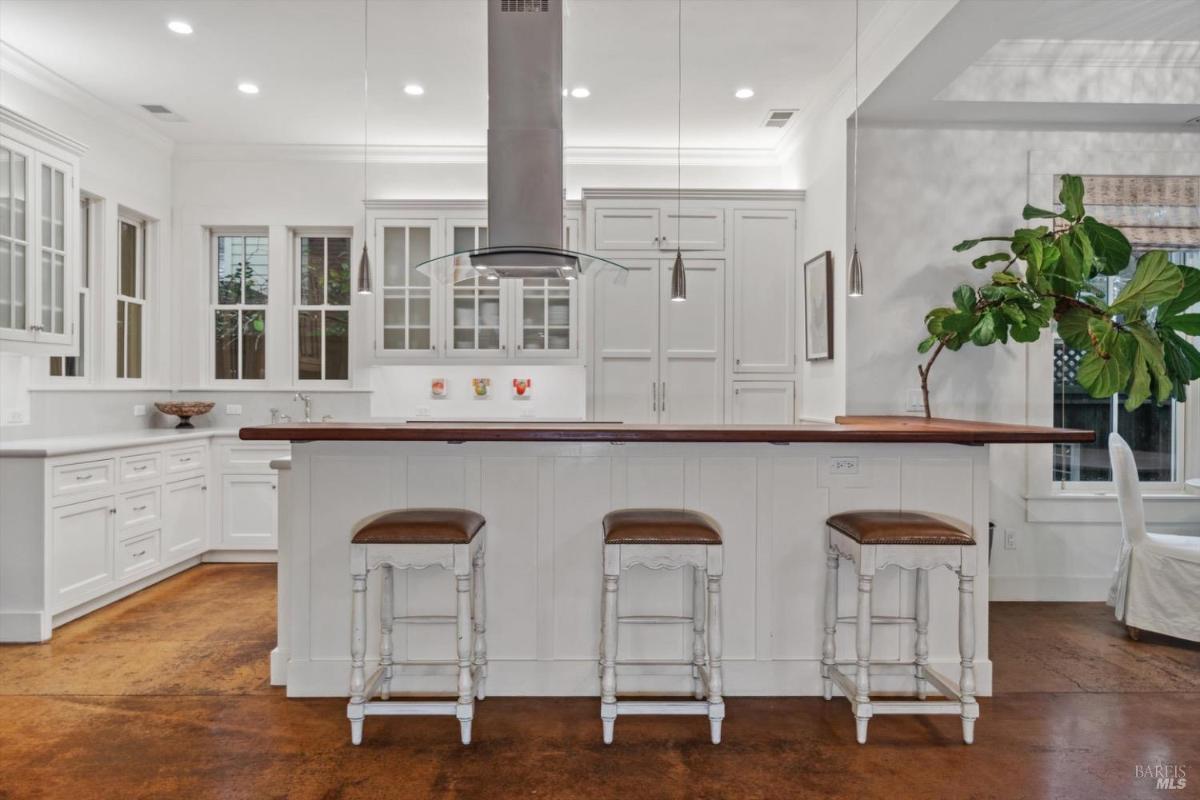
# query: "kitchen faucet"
{"points": [[307, 400]]}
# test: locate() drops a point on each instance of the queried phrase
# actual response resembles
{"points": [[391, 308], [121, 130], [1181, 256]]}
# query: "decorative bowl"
{"points": [[185, 410]]}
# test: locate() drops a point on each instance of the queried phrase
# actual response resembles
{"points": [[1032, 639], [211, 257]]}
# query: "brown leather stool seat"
{"points": [[660, 526], [898, 527], [419, 526]]}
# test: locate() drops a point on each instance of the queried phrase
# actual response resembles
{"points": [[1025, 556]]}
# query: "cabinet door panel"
{"points": [[626, 344], [84, 539], [627, 229], [763, 403], [693, 339], [185, 517], [764, 288], [248, 510], [693, 229]]}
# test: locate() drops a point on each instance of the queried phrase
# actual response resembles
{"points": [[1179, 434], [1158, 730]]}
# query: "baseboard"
{"points": [[240, 557], [23, 626], [116, 594], [528, 678], [1048, 588]]}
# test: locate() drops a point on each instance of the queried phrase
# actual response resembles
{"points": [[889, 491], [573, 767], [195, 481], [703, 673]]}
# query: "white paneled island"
{"points": [[544, 488]]}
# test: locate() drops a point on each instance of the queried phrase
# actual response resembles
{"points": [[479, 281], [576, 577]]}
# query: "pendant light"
{"points": [[364, 263], [855, 282], [678, 278]]}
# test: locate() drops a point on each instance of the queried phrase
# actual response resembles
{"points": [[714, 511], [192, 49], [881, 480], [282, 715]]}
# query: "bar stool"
{"points": [[665, 539], [914, 541], [416, 538]]}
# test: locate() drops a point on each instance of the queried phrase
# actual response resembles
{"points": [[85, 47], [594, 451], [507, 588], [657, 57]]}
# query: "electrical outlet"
{"points": [[233, 409], [139, 410], [423, 411], [843, 465], [15, 418], [916, 401], [1010, 539]]}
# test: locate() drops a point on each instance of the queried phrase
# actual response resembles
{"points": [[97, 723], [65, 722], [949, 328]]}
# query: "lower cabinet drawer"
{"points": [[81, 478], [140, 467], [138, 554], [139, 509], [185, 459]]}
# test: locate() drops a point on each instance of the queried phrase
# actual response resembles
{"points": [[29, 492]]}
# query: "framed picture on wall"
{"points": [[818, 307]]}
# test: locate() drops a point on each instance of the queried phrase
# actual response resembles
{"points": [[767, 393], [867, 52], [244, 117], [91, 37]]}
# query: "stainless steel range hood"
{"points": [[525, 151]]}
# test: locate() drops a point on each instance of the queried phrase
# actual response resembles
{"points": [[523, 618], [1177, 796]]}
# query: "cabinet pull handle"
{"points": [[112, 511], [653, 396], [140, 508], [139, 554], [83, 477], [140, 468], [185, 460], [664, 396]]}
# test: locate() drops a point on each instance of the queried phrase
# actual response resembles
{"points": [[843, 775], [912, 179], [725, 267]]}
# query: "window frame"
{"points": [[141, 298], [298, 306], [241, 307], [89, 213]]}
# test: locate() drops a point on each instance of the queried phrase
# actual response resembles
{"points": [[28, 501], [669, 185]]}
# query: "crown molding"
{"points": [[15, 63], [12, 121], [471, 205], [734, 195], [470, 155]]}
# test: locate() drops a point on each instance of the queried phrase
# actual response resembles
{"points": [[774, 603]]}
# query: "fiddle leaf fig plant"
{"points": [[1135, 345]]}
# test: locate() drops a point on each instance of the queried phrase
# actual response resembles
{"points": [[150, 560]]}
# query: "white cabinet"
{"points": [[664, 227], [692, 229], [626, 228], [657, 360], [763, 403], [39, 200], [83, 539], [764, 291], [249, 504], [406, 307], [185, 516]]}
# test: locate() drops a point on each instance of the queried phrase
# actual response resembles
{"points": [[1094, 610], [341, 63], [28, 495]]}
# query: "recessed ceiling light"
{"points": [[581, 92], [248, 88], [415, 89], [744, 94], [180, 27]]}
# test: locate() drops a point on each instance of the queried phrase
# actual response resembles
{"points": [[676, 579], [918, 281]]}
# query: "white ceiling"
{"points": [[306, 55], [1126, 63]]}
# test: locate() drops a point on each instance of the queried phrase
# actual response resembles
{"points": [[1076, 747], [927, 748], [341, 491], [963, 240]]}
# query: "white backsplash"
{"points": [[404, 392]]}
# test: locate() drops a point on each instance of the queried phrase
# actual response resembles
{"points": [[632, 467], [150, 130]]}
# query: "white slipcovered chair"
{"points": [[1156, 586]]}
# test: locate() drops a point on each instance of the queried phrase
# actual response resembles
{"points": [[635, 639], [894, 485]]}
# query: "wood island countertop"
{"points": [[882, 429]]}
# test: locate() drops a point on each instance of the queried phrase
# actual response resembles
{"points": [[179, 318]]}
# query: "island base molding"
{"points": [[544, 502]]}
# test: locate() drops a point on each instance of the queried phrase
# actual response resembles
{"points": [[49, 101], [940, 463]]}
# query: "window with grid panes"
{"points": [[239, 312], [322, 307]]}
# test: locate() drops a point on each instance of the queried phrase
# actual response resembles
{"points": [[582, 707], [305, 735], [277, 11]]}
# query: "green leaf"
{"points": [[927, 344], [964, 297], [983, 261], [1071, 196], [1033, 212], [1139, 385], [1150, 351], [967, 244], [1005, 278], [1112, 249], [1100, 376], [1025, 333], [1069, 274], [985, 330], [960, 323], [994, 293], [933, 320], [1182, 360], [1087, 253], [1188, 297], [1184, 323], [1073, 328], [1154, 281]]}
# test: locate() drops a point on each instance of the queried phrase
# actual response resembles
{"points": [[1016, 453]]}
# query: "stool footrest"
{"points": [[406, 708], [654, 619], [881, 620], [426, 619], [670, 707], [672, 663]]}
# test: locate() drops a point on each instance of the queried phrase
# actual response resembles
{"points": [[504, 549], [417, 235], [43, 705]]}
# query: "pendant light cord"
{"points": [[679, 130], [855, 178], [366, 101]]}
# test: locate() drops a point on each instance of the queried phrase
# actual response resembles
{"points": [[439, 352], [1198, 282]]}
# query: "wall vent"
{"points": [[524, 5], [779, 117], [163, 113]]}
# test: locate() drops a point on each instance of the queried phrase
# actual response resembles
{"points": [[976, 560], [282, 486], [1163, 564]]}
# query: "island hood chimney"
{"points": [[525, 150]]}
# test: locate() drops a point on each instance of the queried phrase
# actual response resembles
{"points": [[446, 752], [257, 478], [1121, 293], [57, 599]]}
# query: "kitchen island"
{"points": [[544, 488]]}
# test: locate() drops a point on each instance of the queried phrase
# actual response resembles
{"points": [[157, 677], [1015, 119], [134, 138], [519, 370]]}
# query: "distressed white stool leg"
{"points": [[699, 652], [716, 703], [358, 649], [829, 645], [463, 629], [862, 675], [387, 615], [966, 649], [608, 658], [479, 595], [921, 645]]}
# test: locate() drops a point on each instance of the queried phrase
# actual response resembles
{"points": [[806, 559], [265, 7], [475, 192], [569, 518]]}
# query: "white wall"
{"points": [[922, 190], [128, 166]]}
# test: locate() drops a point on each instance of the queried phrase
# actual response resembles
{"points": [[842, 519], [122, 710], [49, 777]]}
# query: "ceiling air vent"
{"points": [[779, 117], [162, 112], [524, 5]]}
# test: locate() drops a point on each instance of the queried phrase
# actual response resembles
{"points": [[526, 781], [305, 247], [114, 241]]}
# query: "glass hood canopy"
{"points": [[514, 261]]}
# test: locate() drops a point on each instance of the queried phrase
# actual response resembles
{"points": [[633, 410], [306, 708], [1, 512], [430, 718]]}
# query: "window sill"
{"points": [[91, 387], [1100, 508], [306, 388]]}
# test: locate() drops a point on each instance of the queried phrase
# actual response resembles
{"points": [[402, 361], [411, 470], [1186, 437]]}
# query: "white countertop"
{"points": [[91, 442]]}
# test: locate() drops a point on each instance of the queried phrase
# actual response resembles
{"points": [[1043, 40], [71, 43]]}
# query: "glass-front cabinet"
{"points": [[470, 316], [38, 242]]}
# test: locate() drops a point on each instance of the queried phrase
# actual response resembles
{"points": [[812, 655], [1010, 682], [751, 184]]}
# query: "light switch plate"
{"points": [[843, 465], [1010, 539], [139, 410], [233, 409]]}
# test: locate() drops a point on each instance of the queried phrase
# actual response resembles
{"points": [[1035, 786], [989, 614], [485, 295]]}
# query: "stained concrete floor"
{"points": [[166, 694]]}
